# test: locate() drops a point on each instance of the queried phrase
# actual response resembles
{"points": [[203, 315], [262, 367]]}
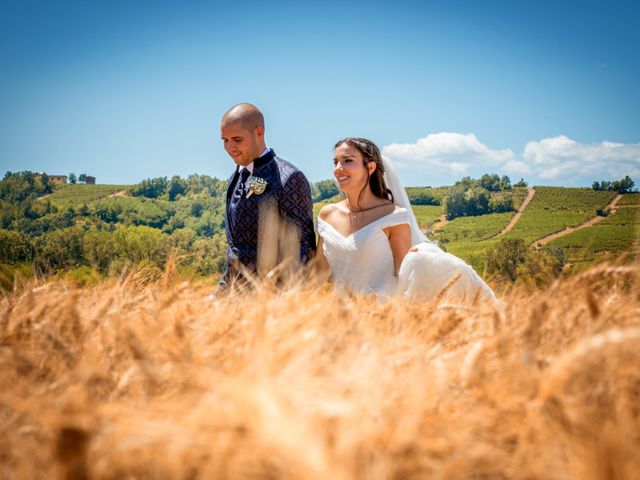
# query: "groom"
{"points": [[266, 196]]}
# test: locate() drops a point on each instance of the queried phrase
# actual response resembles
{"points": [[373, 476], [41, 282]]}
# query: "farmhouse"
{"points": [[52, 178], [90, 180]]}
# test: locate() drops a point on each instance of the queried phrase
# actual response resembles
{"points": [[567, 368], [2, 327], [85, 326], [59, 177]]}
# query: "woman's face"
{"points": [[349, 169]]}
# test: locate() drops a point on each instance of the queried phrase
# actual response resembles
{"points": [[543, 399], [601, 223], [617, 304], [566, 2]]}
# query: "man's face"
{"points": [[242, 144]]}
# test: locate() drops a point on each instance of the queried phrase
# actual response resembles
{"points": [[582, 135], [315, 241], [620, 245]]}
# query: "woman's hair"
{"points": [[370, 153]]}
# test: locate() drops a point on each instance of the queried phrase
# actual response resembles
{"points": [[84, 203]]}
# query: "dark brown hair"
{"points": [[370, 153]]}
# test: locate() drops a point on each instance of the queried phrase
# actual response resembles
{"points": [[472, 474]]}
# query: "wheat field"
{"points": [[147, 378]]}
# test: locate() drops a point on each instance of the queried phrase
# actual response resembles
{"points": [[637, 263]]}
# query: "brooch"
{"points": [[257, 185]]}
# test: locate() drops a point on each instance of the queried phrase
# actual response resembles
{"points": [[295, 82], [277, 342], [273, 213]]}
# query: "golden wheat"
{"points": [[147, 378]]}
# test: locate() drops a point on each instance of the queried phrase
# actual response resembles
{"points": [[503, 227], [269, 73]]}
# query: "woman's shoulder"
{"points": [[328, 210], [400, 212]]}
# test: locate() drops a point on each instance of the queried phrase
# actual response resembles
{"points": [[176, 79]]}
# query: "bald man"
{"points": [[266, 196]]}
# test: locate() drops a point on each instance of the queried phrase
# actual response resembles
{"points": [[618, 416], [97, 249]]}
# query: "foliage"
{"points": [[503, 260], [521, 183], [23, 186], [511, 260], [151, 188], [427, 192], [72, 178], [492, 183], [424, 198], [177, 186], [469, 197], [541, 267], [324, 190], [15, 247], [621, 186]]}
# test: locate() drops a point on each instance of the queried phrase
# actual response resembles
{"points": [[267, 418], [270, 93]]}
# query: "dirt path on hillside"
{"points": [[442, 221], [119, 193], [512, 223], [611, 208]]}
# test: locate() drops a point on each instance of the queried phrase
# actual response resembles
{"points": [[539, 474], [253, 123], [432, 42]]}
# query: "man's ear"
{"points": [[260, 131]]}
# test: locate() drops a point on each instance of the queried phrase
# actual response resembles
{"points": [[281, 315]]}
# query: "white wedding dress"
{"points": [[363, 261]]}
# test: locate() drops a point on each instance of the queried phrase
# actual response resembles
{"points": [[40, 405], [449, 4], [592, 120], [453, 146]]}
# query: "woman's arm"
{"points": [[320, 263], [400, 241]]}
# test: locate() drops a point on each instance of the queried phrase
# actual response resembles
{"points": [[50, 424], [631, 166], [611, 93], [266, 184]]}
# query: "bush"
{"points": [[83, 276], [324, 190], [424, 198], [504, 260], [15, 247]]}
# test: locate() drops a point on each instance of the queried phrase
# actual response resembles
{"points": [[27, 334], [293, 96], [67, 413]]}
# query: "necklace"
{"points": [[361, 210]]}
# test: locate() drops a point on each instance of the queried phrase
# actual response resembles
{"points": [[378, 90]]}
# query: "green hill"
{"points": [[106, 227], [79, 194]]}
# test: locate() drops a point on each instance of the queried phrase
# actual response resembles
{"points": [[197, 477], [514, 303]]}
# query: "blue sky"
{"points": [[121, 90]]}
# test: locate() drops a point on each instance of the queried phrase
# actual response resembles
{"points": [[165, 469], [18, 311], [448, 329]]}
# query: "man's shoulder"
{"points": [[286, 169]]}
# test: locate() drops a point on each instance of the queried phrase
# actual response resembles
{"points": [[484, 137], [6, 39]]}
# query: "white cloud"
{"points": [[455, 153], [450, 156], [560, 157]]}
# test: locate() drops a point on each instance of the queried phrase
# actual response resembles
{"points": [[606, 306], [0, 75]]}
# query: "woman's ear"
{"points": [[372, 167]]}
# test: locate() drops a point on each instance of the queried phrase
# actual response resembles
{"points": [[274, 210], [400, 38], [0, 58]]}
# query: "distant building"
{"points": [[58, 178], [90, 179], [52, 178]]}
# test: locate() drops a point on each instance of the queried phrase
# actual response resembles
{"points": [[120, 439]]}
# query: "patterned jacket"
{"points": [[289, 190]]}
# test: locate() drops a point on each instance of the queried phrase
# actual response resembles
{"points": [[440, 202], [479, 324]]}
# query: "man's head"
{"points": [[242, 131]]}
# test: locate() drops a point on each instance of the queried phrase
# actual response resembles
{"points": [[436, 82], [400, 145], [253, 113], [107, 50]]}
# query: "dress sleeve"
{"points": [[398, 217]]}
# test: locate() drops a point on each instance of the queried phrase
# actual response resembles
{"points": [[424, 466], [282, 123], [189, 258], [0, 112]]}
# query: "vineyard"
{"points": [[79, 194], [555, 208]]}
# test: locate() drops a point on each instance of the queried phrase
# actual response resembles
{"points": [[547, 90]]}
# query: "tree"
{"points": [[504, 259], [505, 183], [625, 185], [424, 198], [596, 186], [521, 183], [177, 186], [72, 178], [490, 182], [501, 203], [477, 201], [47, 186], [82, 178], [540, 267], [455, 202], [324, 189], [15, 247], [150, 188]]}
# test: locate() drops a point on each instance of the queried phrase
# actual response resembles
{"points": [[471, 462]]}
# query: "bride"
{"points": [[371, 242]]}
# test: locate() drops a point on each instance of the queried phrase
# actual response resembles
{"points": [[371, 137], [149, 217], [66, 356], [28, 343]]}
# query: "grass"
{"points": [[140, 379], [426, 215], [630, 199], [474, 228], [605, 240], [555, 208], [79, 194]]}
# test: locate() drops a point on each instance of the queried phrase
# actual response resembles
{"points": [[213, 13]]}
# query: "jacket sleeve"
{"points": [[296, 206]]}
